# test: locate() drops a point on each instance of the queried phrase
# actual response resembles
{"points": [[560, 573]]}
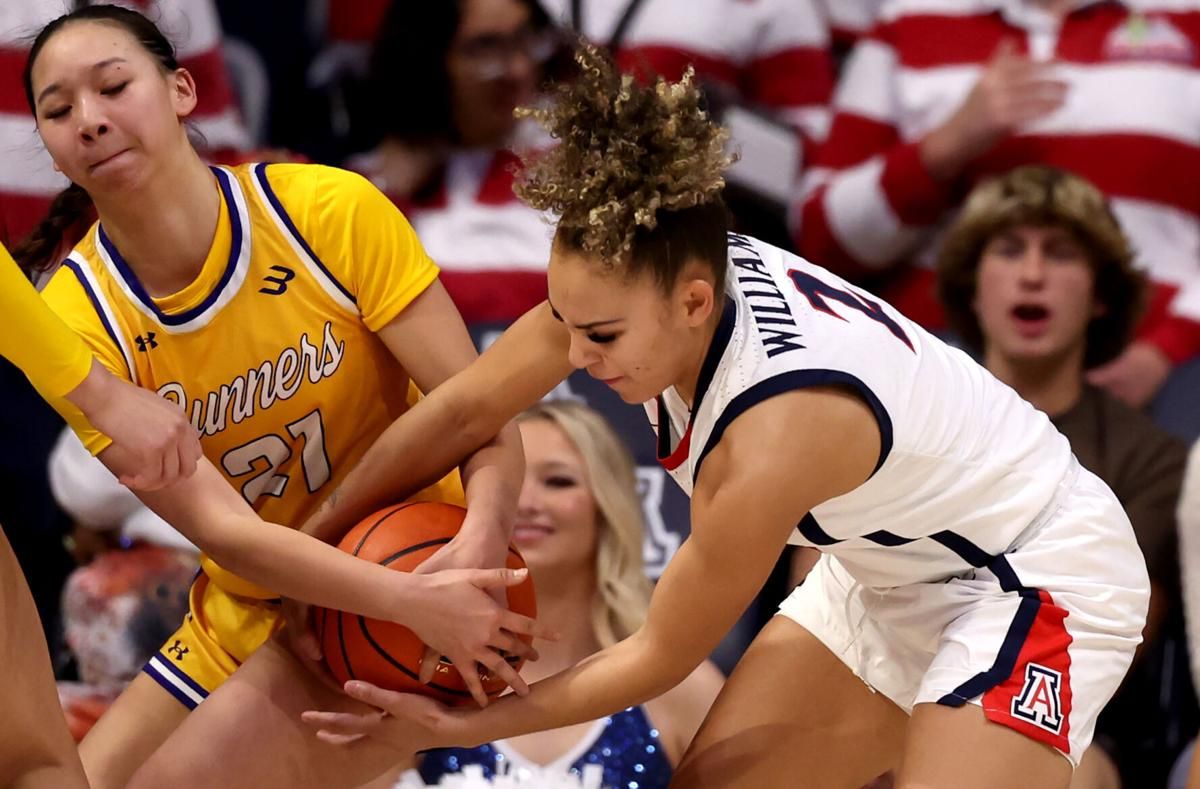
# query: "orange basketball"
{"points": [[385, 653]]}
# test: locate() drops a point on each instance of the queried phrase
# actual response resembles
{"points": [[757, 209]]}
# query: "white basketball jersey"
{"points": [[965, 463]]}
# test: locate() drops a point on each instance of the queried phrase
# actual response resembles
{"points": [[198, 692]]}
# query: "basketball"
{"points": [[388, 654]]}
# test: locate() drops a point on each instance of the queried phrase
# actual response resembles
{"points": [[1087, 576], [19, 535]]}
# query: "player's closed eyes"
{"points": [[602, 339]]}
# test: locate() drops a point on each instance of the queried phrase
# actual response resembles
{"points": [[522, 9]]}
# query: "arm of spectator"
{"points": [[866, 195], [1189, 554], [871, 193]]}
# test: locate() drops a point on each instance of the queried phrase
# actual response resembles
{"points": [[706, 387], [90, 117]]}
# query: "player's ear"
{"points": [[695, 294]]}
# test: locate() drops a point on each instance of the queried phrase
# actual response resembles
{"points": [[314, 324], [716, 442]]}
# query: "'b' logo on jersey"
{"points": [[278, 281], [1039, 701]]}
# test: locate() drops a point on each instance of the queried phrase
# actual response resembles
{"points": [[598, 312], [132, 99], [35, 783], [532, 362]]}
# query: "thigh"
{"points": [[248, 733], [129, 731], [952, 747], [35, 747], [792, 714]]}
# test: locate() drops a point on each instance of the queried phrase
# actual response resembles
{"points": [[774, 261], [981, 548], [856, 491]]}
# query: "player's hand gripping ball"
{"points": [[388, 654]]}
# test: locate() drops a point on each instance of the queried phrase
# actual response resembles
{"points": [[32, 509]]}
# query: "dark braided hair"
{"points": [[72, 209]]}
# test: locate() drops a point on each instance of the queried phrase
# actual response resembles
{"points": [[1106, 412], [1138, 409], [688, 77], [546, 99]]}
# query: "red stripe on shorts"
{"points": [[1036, 698]]}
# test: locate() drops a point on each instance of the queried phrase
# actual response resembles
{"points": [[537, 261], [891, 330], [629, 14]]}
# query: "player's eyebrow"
{"points": [[583, 326]]}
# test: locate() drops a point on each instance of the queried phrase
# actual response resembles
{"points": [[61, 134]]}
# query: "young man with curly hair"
{"points": [[1036, 277]]}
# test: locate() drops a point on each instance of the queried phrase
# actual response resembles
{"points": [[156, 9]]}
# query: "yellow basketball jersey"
{"points": [[272, 349]]}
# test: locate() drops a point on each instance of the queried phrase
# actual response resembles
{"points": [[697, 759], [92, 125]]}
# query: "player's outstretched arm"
{"points": [[162, 444], [774, 463], [450, 610], [457, 418]]}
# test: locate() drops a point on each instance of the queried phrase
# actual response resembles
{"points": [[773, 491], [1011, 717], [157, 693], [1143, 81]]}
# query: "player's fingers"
{"points": [[343, 722], [498, 576], [429, 664], [170, 466], [338, 739], [192, 451], [500, 667], [508, 644], [374, 695], [523, 625], [469, 671]]}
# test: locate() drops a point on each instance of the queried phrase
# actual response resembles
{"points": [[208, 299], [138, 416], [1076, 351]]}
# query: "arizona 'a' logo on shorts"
{"points": [[1039, 701]]}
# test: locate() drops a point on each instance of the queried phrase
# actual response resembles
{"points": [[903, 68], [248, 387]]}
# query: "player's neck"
{"points": [[1053, 385], [165, 230], [565, 606], [698, 345]]}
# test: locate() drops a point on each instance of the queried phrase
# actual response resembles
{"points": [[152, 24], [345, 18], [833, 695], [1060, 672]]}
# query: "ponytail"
{"points": [[65, 222]]}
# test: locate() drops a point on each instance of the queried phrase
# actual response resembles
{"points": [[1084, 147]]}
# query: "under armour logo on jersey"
{"points": [[178, 650], [146, 343], [280, 282], [1039, 701]]}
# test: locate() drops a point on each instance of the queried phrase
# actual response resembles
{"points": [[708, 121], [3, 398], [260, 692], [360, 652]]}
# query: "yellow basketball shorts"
{"points": [[221, 630]]}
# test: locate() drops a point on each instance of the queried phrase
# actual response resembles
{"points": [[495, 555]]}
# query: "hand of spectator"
{"points": [[155, 435], [1012, 91], [1135, 376]]}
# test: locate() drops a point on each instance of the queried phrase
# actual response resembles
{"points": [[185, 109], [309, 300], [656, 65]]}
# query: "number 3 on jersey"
{"points": [[273, 449], [817, 291]]}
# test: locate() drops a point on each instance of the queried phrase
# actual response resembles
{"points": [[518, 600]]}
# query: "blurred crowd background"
{"points": [[1022, 177]]}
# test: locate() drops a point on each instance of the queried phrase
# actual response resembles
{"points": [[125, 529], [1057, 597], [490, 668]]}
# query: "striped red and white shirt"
{"points": [[771, 53], [492, 249], [28, 181], [1130, 124], [850, 20]]}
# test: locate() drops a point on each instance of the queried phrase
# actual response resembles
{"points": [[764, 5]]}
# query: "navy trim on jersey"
{"points": [[888, 539], [1018, 630], [260, 173], [790, 381], [716, 349], [182, 697], [235, 248], [813, 532], [95, 300]]}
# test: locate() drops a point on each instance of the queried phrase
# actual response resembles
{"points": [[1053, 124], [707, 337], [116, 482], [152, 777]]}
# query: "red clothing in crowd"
{"points": [[1130, 124], [28, 181]]}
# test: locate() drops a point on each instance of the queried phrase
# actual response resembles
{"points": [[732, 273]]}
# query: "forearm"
{"points": [[297, 566], [492, 479], [415, 451]]}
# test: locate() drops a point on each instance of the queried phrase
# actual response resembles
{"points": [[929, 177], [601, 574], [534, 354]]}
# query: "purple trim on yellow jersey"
{"points": [[260, 174], [95, 300], [235, 249]]}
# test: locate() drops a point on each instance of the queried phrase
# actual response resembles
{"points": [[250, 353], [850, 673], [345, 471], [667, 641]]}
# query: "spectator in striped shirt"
{"points": [[941, 95], [773, 54], [28, 181]]}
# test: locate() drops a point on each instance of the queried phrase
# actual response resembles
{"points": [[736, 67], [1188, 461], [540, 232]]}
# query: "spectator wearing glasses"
{"points": [[446, 154]]}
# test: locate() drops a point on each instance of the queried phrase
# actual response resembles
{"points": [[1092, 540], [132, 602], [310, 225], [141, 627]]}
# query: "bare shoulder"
{"points": [[678, 713]]}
